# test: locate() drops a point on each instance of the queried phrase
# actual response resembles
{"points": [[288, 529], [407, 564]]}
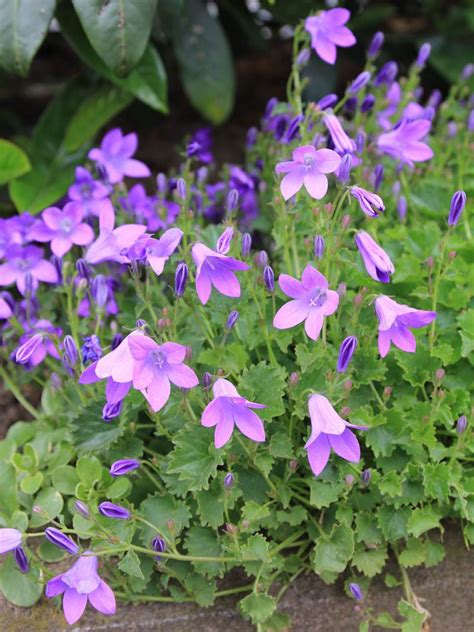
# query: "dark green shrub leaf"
{"points": [[13, 161]]}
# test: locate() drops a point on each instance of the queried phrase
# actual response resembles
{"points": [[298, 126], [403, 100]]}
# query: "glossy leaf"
{"points": [[13, 161]]}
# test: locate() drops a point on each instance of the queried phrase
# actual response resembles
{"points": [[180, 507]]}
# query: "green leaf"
{"points": [[423, 519], [118, 30], [50, 502], [280, 446], [13, 161], [89, 470], [8, 499], [205, 62], [265, 384], [164, 512], [393, 522], [256, 548], [31, 483], [367, 530], [390, 484], [49, 552], [119, 488], [91, 433], [23, 27], [414, 554], [203, 542], [417, 367], [130, 564], [414, 618], [20, 589], [203, 589], [147, 81], [466, 323], [258, 607], [194, 458], [370, 562], [211, 504], [332, 554], [254, 512], [323, 494], [65, 479]]}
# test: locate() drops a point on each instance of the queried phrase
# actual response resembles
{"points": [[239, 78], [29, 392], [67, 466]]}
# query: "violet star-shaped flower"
{"points": [[229, 409], [404, 142], [312, 301], [63, 229], [81, 583], [91, 195], [329, 432], [115, 156], [394, 322], [23, 261], [327, 31], [112, 243], [156, 252], [215, 269], [5, 309], [308, 168]]}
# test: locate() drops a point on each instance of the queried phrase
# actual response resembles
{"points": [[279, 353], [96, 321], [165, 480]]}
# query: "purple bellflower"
{"points": [[327, 31], [115, 156], [10, 539], [215, 269], [64, 229], [81, 583], [404, 142], [123, 466], [342, 143], [346, 351], [89, 194], [112, 243], [377, 262], [371, 203], [21, 559], [61, 540], [157, 251], [224, 241], [308, 168], [458, 202], [329, 431], [37, 344], [394, 322], [229, 409], [111, 510], [312, 301], [21, 262], [5, 309]]}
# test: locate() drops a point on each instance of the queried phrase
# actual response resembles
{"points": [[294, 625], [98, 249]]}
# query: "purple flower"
{"points": [[232, 200], [359, 82], [21, 559], [377, 262], [386, 74], [215, 269], [180, 278], [159, 545], [58, 538], [394, 321], [328, 101], [82, 508], [329, 431], [319, 246], [111, 243], [402, 207], [200, 145], [123, 466], [308, 168], [70, 350], [346, 351], [342, 143], [371, 203], [375, 44], [404, 141], [269, 278], [312, 301], [79, 584], [367, 104], [91, 349], [115, 156], [111, 510], [232, 318], [344, 171], [458, 202], [5, 309], [227, 409], [26, 261], [378, 176], [228, 480], [224, 241], [356, 591], [157, 251], [327, 31], [423, 55], [37, 344], [461, 424], [10, 539], [90, 195], [154, 367]]}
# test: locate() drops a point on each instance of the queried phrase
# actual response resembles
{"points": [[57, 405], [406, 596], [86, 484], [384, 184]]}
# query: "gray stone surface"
{"points": [[445, 590]]}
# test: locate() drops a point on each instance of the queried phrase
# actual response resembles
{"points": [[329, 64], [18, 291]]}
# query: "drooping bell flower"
{"points": [[327, 31], [312, 301], [404, 142], [63, 228], [377, 262], [115, 156], [308, 169], [215, 270], [80, 584], [394, 322], [229, 409], [112, 243], [342, 143], [370, 203], [329, 432]]}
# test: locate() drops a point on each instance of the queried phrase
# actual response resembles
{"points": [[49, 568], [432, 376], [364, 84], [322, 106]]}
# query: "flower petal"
{"points": [[316, 184], [290, 286], [313, 323], [74, 605], [291, 314], [249, 424], [313, 279], [346, 445], [223, 431], [158, 393], [182, 376], [318, 454], [103, 599], [292, 183]]}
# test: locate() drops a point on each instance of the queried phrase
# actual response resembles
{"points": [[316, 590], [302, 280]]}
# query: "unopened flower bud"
{"points": [[293, 465], [262, 259], [346, 222], [294, 378], [224, 241], [375, 44], [349, 480], [269, 278], [458, 202], [116, 340], [181, 189], [180, 278], [387, 392], [141, 324], [99, 291], [158, 545], [232, 318], [358, 298], [367, 104], [452, 254], [359, 82], [366, 476], [228, 480], [430, 263], [402, 207], [356, 591], [246, 244], [440, 375], [232, 200], [303, 57], [70, 350], [341, 289], [345, 169], [423, 55], [206, 380], [461, 424], [231, 528], [347, 386], [378, 176]]}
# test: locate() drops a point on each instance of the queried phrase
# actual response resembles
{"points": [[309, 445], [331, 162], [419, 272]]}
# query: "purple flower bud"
{"points": [[56, 383], [328, 101], [303, 57], [366, 476], [359, 82], [140, 323], [232, 318], [349, 479], [123, 466], [223, 243], [59, 539], [294, 378], [206, 380], [269, 278], [341, 289], [386, 74], [111, 510], [91, 349], [251, 138], [162, 183], [180, 278], [376, 44], [396, 188], [99, 291], [367, 103], [111, 410], [181, 189], [318, 246], [25, 351], [83, 270], [116, 340], [228, 480], [29, 285], [246, 244], [470, 121], [345, 169], [158, 545], [232, 200], [467, 72], [360, 139], [378, 176], [346, 351], [452, 129], [82, 508], [435, 98], [262, 259], [70, 350], [458, 202], [21, 559], [461, 424], [423, 55], [429, 113], [356, 591], [351, 104], [402, 207]]}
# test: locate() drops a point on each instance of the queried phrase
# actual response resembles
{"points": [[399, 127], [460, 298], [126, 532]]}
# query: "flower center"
{"points": [[308, 160], [65, 225], [23, 265], [318, 299], [158, 358], [86, 191]]}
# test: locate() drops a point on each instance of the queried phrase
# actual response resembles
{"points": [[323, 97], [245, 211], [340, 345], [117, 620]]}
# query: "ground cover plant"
{"points": [[264, 370]]}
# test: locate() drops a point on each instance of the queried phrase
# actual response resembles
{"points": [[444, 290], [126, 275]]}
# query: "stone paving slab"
{"points": [[446, 590]]}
